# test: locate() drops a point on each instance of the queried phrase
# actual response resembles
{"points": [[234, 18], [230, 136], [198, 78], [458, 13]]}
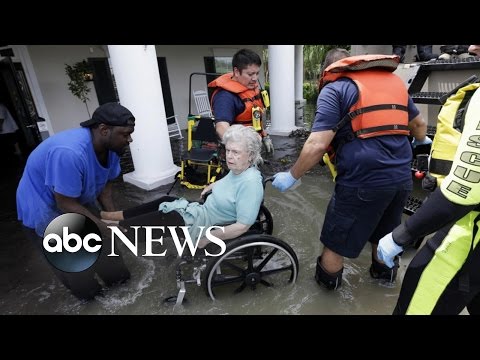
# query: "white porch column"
{"points": [[281, 60], [299, 100], [139, 89], [298, 72]]}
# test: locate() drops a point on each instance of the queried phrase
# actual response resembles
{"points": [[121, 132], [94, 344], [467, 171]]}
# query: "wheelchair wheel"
{"points": [[250, 260]]}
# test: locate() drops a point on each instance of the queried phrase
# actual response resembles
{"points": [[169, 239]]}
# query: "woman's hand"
{"points": [[207, 189]]}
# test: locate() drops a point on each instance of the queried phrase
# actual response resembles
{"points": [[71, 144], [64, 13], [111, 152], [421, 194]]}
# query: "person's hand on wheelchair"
{"points": [[206, 192], [284, 181]]}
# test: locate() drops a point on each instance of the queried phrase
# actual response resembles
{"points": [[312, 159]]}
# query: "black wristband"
{"points": [[401, 236], [435, 212]]}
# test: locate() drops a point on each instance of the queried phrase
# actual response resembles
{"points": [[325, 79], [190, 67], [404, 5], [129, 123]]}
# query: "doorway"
{"points": [[16, 96], [15, 146]]}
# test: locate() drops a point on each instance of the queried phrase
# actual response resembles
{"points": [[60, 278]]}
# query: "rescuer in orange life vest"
{"points": [[237, 98], [364, 111]]}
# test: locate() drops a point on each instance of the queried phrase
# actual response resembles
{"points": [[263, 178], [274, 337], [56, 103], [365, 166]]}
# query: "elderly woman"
{"points": [[235, 199]]}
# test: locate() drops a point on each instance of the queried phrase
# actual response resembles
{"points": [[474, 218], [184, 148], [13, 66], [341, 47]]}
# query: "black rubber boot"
{"points": [[330, 280], [400, 51], [425, 53], [382, 271]]}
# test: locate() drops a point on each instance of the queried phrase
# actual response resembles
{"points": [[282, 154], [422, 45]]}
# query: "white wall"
{"points": [[66, 111]]}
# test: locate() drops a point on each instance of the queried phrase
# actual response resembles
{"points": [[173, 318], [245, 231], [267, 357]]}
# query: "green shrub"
{"points": [[310, 91]]}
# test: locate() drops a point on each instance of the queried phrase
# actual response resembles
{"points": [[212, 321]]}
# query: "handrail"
{"points": [[190, 88]]}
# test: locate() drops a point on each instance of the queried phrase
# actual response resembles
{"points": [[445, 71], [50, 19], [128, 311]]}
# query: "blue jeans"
{"points": [[356, 215]]}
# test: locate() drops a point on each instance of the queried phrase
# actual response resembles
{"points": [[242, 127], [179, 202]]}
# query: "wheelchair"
{"points": [[253, 259]]}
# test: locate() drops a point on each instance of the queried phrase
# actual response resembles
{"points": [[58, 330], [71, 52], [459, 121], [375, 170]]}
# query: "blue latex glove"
{"points": [[283, 181], [387, 249], [426, 141]]}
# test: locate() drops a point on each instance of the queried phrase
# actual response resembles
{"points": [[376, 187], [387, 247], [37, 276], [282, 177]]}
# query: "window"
{"points": [[223, 64]]}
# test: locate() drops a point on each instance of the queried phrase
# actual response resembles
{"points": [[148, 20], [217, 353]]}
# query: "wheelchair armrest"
{"points": [[266, 180], [204, 196]]}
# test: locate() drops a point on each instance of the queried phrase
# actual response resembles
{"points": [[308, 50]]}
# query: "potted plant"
{"points": [[79, 73]]}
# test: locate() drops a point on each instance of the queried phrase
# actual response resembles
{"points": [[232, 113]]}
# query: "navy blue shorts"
{"points": [[357, 215]]}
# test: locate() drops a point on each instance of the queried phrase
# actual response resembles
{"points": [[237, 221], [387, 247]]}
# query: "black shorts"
{"points": [[356, 215]]}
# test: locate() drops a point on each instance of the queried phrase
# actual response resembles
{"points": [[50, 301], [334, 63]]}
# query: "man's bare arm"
{"points": [[313, 150], [221, 127], [418, 127], [105, 198]]}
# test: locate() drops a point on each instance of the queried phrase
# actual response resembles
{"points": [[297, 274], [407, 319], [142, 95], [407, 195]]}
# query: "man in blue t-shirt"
{"points": [[69, 173], [373, 174]]}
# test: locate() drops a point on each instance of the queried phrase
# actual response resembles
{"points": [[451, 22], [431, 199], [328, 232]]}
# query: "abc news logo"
{"points": [[73, 242]]}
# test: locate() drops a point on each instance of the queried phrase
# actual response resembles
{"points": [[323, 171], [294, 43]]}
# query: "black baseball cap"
{"points": [[111, 114]]}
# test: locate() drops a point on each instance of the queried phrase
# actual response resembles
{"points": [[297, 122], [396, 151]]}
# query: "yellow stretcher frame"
{"points": [[212, 163]]}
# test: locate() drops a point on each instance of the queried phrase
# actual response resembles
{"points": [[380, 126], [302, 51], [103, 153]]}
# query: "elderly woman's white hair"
{"points": [[248, 136]]}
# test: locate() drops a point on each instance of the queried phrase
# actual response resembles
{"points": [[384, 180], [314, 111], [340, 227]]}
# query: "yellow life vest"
{"points": [[462, 184], [450, 124]]}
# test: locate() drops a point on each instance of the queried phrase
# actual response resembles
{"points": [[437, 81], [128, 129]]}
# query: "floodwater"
{"points": [[28, 286], [298, 217]]}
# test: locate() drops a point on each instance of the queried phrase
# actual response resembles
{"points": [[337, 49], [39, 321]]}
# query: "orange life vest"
{"points": [[382, 106], [249, 97]]}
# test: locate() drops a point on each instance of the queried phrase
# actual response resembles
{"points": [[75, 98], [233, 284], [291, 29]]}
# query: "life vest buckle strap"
{"points": [[352, 114], [381, 128], [252, 99], [440, 166]]}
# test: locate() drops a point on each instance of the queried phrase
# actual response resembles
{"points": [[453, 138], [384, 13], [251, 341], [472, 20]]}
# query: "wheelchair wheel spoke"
{"points": [[266, 283], [278, 270], [240, 288], [220, 280], [250, 252], [266, 260], [233, 267]]}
